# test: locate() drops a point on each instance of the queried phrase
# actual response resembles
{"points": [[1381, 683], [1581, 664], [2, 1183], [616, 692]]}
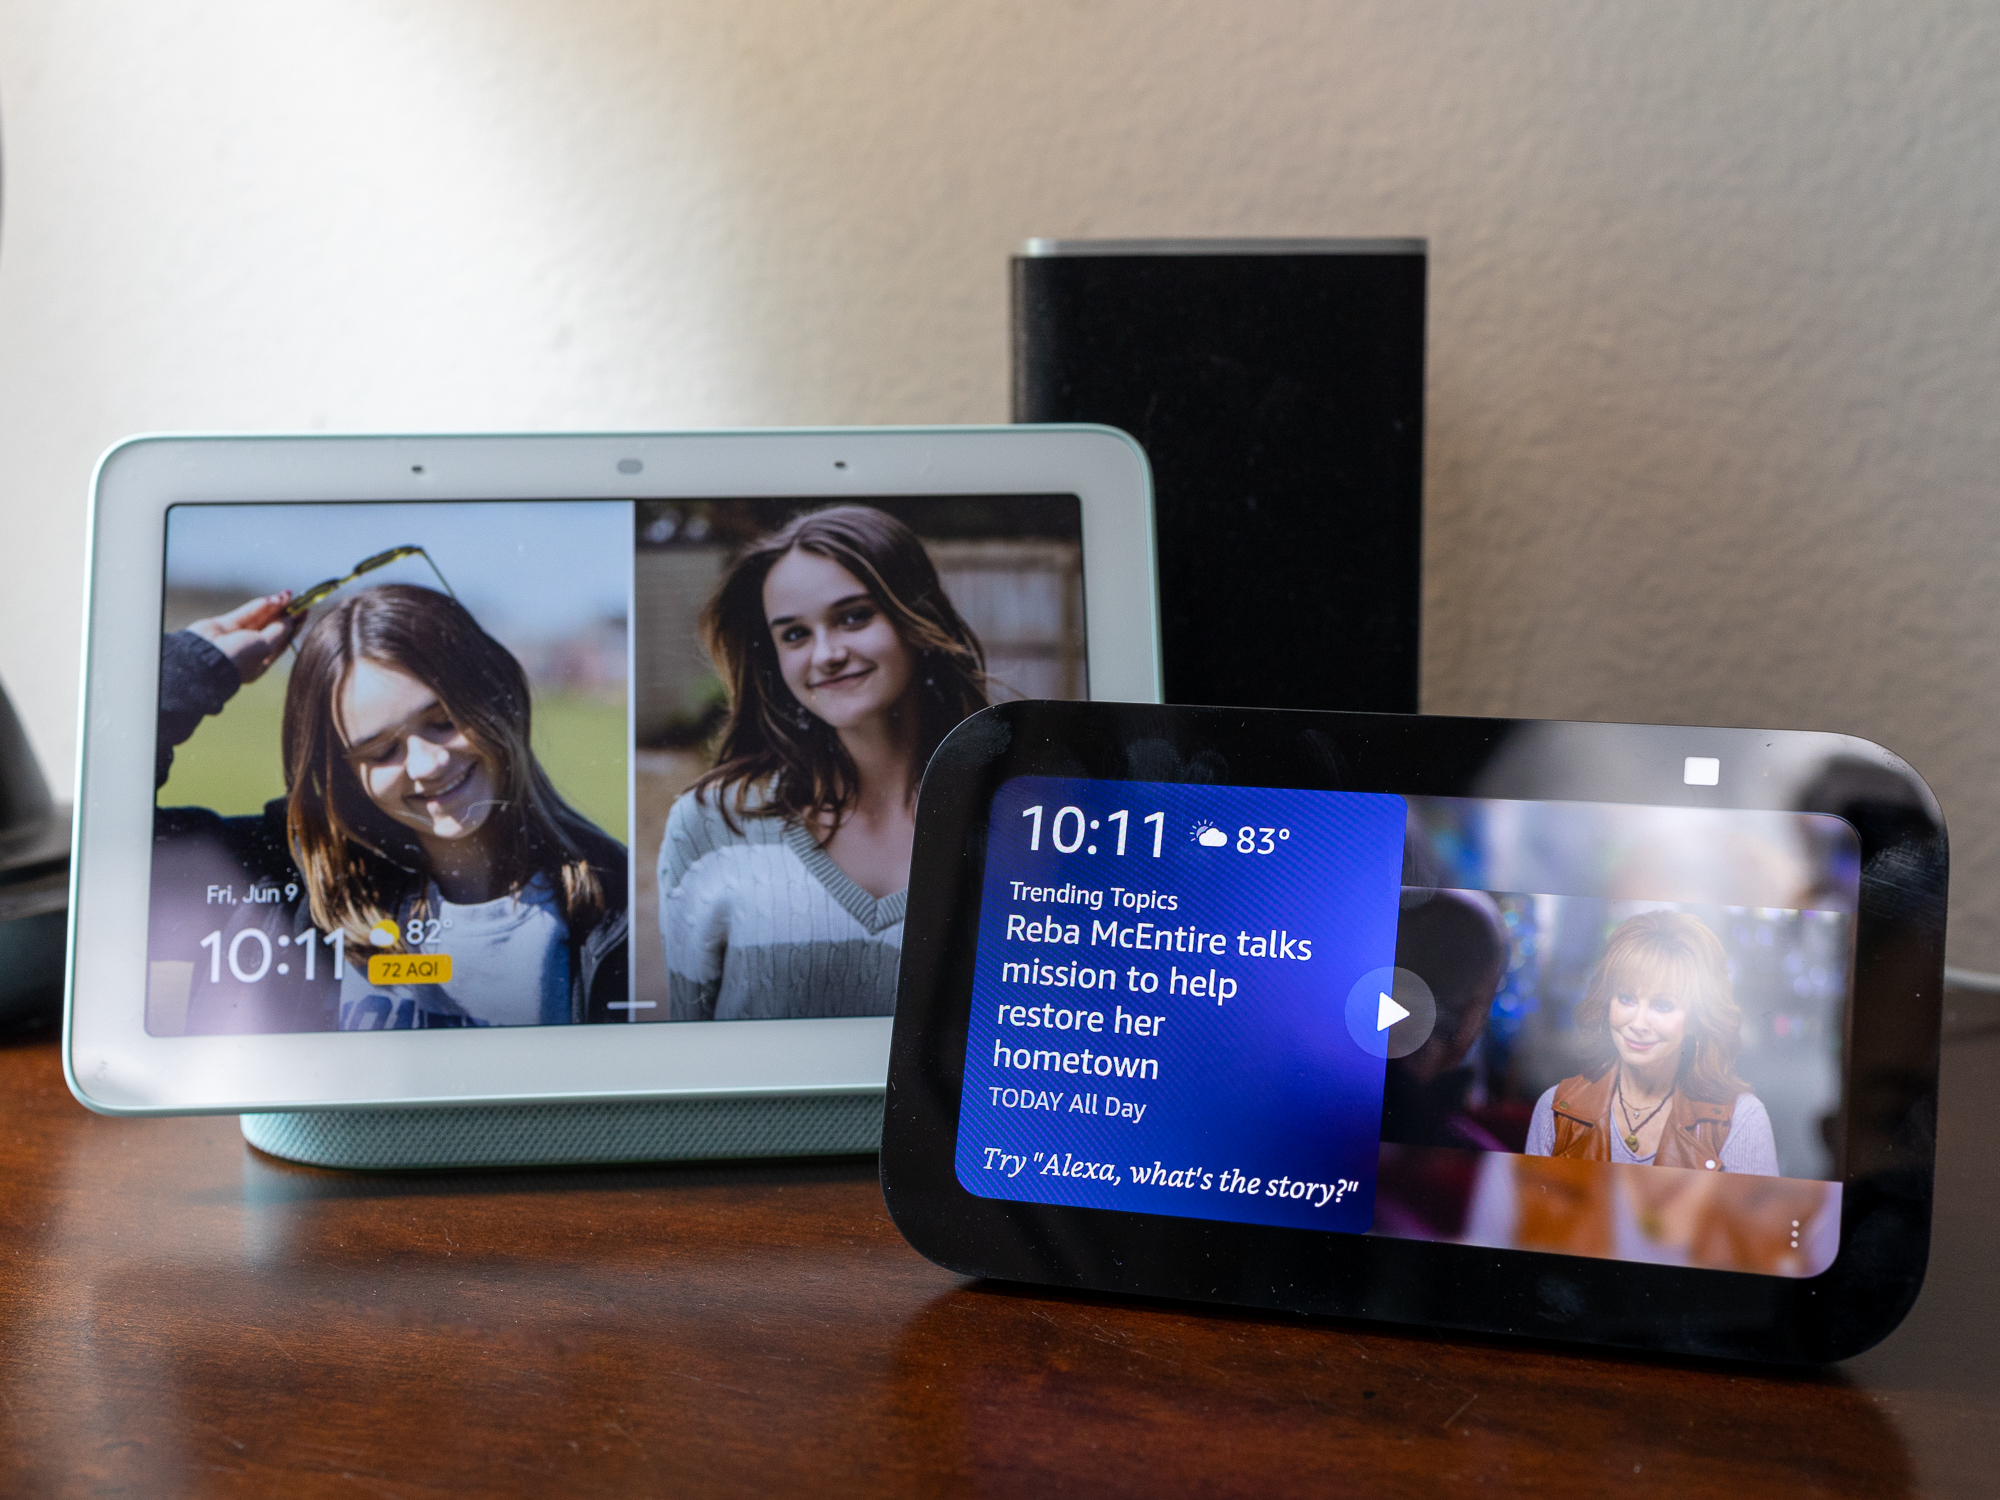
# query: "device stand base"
{"points": [[553, 1135]]}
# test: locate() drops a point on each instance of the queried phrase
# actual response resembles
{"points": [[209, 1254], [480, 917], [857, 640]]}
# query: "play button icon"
{"points": [[1390, 1012]]}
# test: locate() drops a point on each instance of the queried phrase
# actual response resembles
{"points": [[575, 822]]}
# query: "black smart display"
{"points": [[1617, 1033]]}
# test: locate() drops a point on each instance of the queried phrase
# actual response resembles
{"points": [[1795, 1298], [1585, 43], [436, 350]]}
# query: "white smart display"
{"points": [[550, 770]]}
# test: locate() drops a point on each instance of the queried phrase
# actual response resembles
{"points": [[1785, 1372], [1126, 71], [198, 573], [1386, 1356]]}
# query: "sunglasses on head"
{"points": [[305, 599]]}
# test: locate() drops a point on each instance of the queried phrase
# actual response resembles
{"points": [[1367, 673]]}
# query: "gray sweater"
{"points": [[761, 924]]}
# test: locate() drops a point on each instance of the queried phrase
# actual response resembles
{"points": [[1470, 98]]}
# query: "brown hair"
{"points": [[359, 864], [1671, 952], [770, 740]]}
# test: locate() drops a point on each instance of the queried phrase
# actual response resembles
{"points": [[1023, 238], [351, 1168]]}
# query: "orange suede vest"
{"points": [[1584, 1127]]}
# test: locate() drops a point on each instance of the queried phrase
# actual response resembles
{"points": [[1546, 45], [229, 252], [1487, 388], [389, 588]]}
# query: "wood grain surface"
{"points": [[180, 1315]]}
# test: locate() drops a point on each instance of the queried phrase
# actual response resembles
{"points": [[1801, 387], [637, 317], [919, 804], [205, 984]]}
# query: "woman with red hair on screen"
{"points": [[1664, 1092]]}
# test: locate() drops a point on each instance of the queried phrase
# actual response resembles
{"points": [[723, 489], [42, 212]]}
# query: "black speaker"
{"points": [[34, 884], [1277, 386]]}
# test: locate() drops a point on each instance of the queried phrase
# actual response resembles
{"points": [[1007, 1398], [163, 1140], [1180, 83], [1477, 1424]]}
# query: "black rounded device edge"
{"points": [[1618, 1034]]}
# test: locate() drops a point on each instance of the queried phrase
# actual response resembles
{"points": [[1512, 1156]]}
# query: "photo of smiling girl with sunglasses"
{"points": [[418, 813], [416, 818], [784, 869]]}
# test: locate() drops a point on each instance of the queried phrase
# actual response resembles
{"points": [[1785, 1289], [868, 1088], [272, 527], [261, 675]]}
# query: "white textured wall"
{"points": [[1715, 329]]}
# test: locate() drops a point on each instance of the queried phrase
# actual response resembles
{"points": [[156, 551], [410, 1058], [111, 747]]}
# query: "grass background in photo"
{"points": [[231, 764]]}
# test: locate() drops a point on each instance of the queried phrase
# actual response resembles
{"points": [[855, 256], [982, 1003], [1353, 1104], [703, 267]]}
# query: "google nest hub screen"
{"points": [[482, 765]]}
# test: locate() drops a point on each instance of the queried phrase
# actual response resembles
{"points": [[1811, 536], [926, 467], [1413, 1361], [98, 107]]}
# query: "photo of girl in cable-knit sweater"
{"points": [[782, 871]]}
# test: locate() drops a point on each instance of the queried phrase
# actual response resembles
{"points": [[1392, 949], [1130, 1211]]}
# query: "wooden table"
{"points": [[180, 1315]]}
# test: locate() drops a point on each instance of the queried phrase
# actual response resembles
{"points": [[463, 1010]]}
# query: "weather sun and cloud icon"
{"points": [[1209, 836]]}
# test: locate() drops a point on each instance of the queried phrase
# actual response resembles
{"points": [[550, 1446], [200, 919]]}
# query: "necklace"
{"points": [[1631, 1130]]}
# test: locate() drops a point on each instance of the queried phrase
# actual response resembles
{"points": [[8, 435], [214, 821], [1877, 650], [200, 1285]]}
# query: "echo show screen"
{"points": [[534, 763], [1586, 1028]]}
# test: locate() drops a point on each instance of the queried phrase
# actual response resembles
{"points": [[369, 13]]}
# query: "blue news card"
{"points": [[1160, 1003]]}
